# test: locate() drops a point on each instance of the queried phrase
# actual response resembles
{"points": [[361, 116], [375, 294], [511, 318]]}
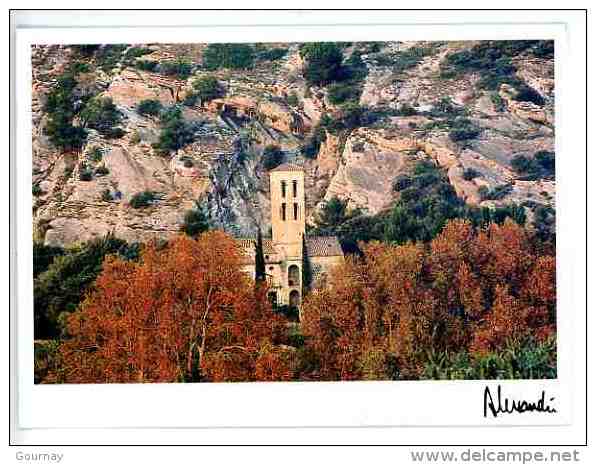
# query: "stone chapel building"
{"points": [[289, 249]]}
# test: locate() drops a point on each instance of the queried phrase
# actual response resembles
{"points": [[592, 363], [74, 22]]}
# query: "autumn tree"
{"points": [[183, 312], [386, 314]]}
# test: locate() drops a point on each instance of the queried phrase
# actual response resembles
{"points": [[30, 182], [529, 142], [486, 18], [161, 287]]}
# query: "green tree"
{"points": [[260, 274], [195, 222], [272, 156], [323, 62], [180, 68], [149, 107], [175, 132], [101, 114], [63, 284], [206, 88], [43, 256], [333, 213], [232, 56], [307, 275], [61, 110]]}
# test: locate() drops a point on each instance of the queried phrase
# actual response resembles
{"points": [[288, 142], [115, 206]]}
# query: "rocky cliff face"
{"points": [[222, 167]]}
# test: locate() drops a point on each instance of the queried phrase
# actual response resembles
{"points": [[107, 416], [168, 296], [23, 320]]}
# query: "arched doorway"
{"points": [[293, 276], [295, 298]]}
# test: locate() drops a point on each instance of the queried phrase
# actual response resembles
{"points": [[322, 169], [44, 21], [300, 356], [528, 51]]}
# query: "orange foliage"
{"points": [[466, 290], [187, 312], [183, 313]]}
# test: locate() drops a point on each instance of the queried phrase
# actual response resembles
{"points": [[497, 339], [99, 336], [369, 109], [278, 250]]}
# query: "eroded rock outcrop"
{"points": [[272, 104]]}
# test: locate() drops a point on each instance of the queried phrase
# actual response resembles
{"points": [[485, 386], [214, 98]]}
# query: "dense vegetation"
{"points": [[61, 109], [395, 311], [263, 53], [175, 131], [232, 56], [426, 202], [63, 276], [204, 89], [325, 66], [272, 156], [323, 62], [524, 359], [195, 222], [541, 165], [469, 304], [179, 68], [142, 199], [101, 114], [149, 107]]}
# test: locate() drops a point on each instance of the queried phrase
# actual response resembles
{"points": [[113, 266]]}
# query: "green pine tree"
{"points": [[259, 259], [306, 269]]}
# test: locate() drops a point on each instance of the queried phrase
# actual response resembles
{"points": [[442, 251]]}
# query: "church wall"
{"points": [[324, 265]]}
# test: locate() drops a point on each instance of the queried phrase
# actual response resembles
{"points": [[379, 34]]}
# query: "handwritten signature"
{"points": [[502, 404]]}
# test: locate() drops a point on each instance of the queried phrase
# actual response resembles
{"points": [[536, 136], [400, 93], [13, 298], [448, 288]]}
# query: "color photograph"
{"points": [[294, 212]]}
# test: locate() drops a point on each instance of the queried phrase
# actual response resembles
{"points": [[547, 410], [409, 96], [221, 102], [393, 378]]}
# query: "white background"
{"points": [[319, 405]]}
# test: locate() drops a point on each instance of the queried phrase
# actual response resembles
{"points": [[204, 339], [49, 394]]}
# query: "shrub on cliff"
{"points": [[61, 109], [470, 173], [179, 68], [36, 190], [142, 199], [110, 56], [293, 100], [149, 107], [541, 165], [272, 157], [232, 56], [175, 132], [206, 88], [323, 62], [312, 145], [463, 129], [146, 65], [195, 222], [85, 173], [343, 92], [101, 114]]}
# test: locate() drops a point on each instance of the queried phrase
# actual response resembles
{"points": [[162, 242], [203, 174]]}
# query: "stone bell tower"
{"points": [[288, 223], [288, 226]]}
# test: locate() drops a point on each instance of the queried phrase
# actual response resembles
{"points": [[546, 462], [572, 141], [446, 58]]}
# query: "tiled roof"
{"points": [[250, 243], [249, 246], [316, 246], [288, 167], [323, 246]]}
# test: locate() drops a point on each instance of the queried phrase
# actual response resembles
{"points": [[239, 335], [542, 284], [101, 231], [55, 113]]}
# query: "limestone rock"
{"points": [[222, 168]]}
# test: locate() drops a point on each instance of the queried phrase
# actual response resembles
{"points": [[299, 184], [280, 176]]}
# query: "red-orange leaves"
{"points": [[382, 315], [185, 312]]}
